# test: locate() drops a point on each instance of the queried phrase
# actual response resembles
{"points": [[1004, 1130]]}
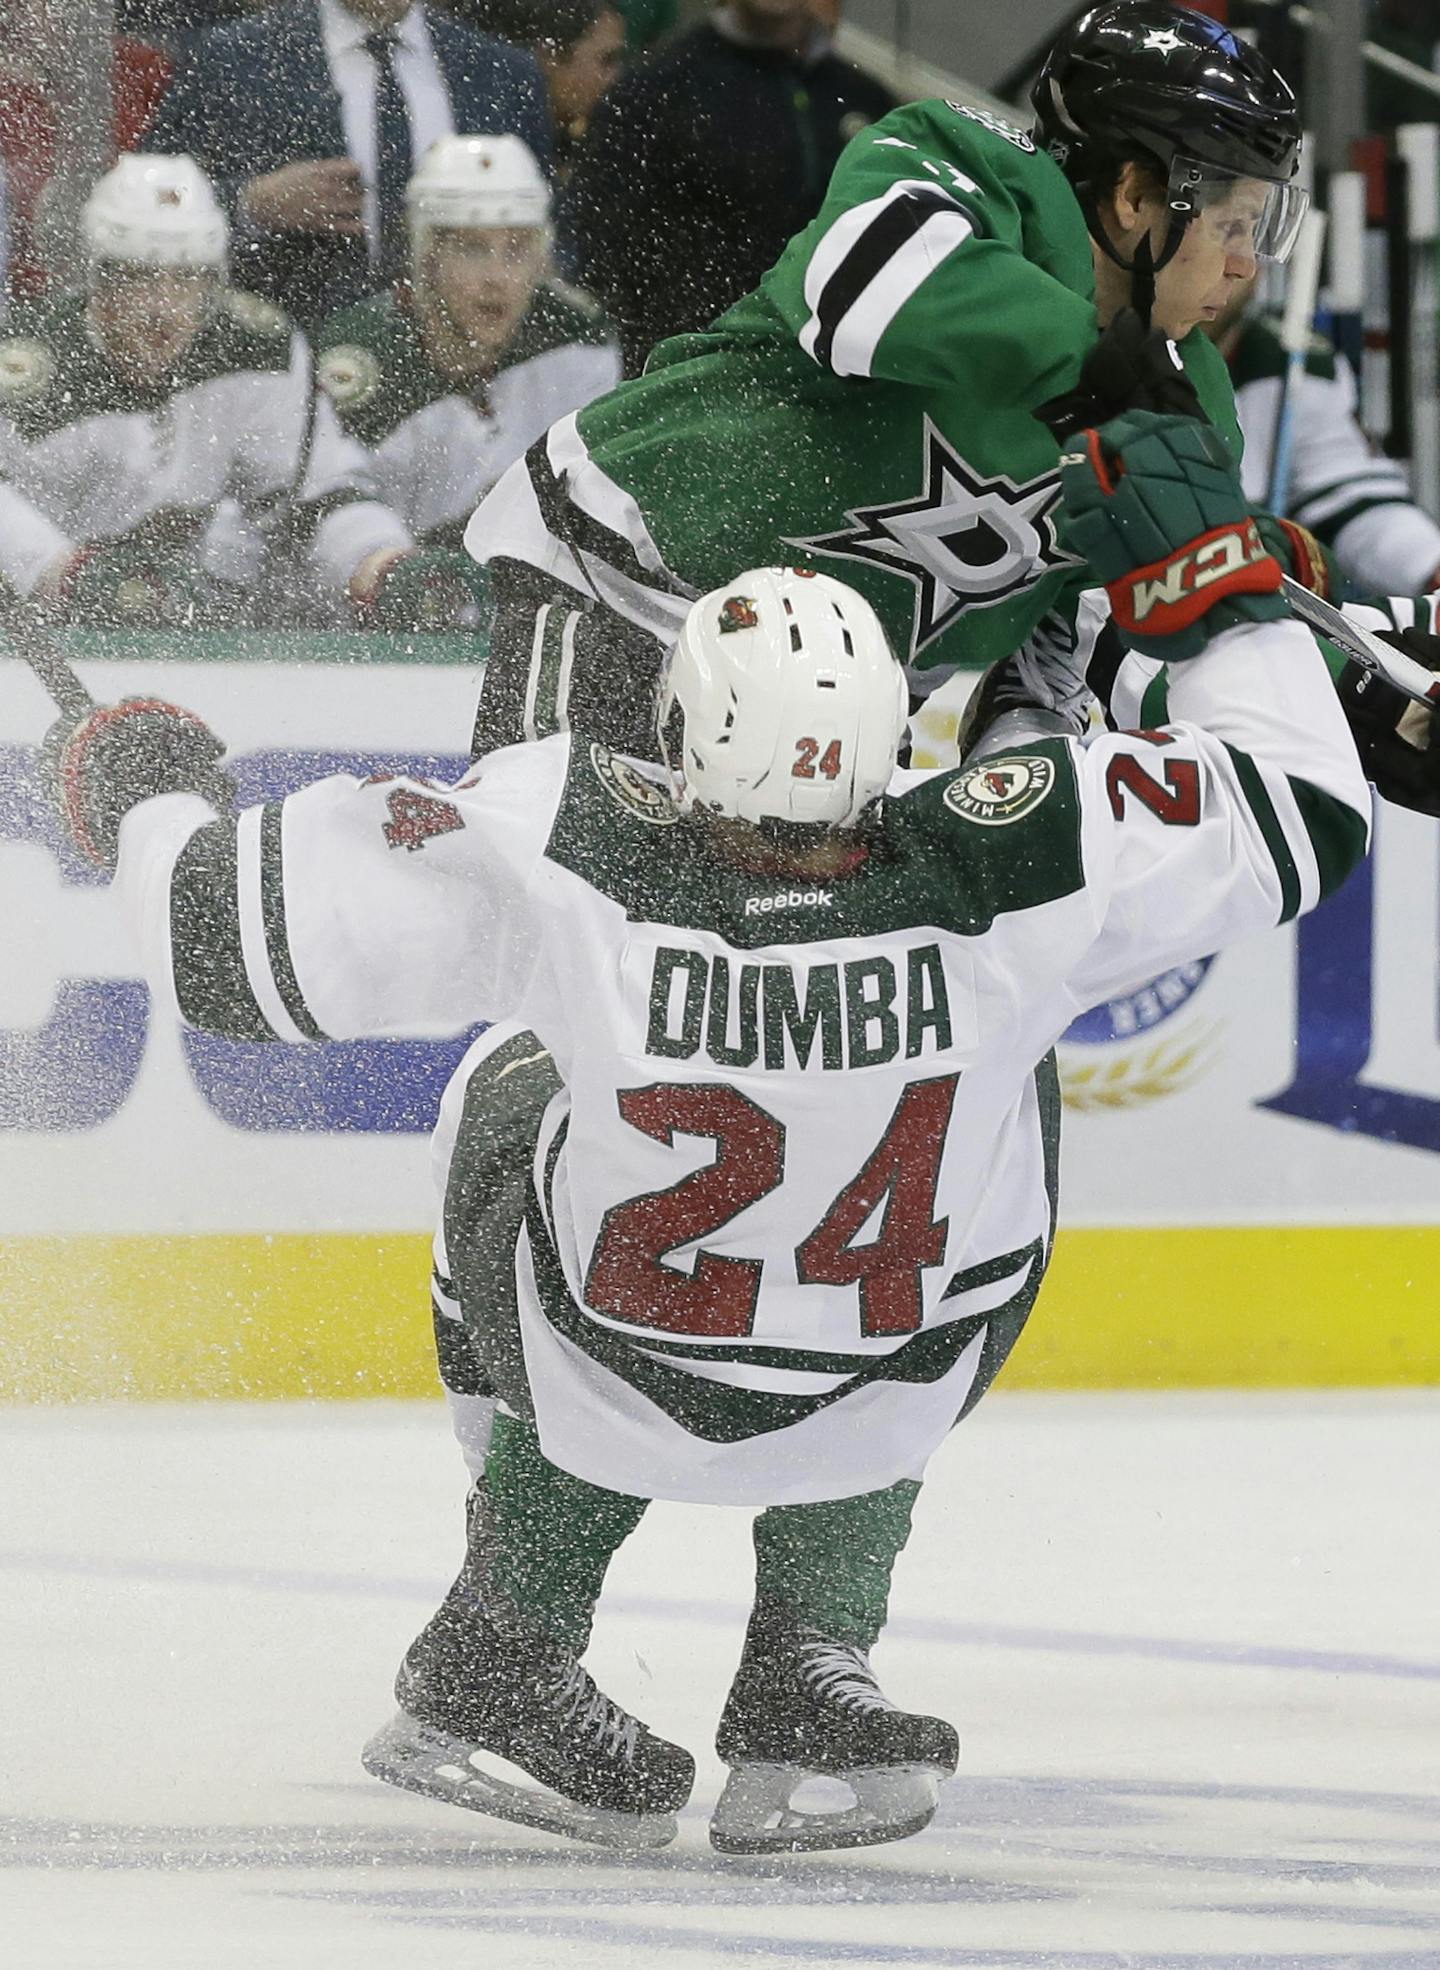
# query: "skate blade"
{"points": [[756, 1813], [419, 1758]]}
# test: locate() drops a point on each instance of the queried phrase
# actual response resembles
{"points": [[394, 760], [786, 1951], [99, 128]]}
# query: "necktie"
{"points": [[392, 155]]}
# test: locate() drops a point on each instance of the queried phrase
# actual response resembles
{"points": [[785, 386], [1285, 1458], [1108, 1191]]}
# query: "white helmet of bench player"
{"points": [[155, 212], [783, 701], [474, 182]]}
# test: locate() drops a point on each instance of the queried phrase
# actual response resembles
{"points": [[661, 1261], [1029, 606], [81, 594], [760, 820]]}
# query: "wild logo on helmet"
{"points": [[738, 612]]}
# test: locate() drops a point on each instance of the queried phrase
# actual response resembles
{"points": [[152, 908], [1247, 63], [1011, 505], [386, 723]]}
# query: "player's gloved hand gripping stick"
{"points": [[114, 756], [1396, 730], [102, 760], [1154, 504]]}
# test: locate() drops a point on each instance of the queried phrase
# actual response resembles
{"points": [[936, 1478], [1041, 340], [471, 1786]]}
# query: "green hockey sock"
{"points": [[552, 1535], [831, 1563]]}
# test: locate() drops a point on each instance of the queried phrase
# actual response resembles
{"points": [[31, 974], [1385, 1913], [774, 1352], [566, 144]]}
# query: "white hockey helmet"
{"points": [[155, 212], [475, 182], [783, 701]]}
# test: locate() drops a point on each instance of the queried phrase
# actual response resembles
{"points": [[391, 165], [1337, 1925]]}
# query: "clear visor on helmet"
{"points": [[1255, 217]]}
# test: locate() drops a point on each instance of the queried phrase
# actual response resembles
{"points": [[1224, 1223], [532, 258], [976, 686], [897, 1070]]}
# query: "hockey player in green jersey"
{"points": [[794, 1187], [449, 376], [871, 409]]}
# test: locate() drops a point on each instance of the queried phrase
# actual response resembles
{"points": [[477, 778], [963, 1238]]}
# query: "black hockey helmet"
{"points": [[1142, 79]]}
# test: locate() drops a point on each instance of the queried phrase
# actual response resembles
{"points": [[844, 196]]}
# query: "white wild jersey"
{"points": [[435, 449], [801, 1160], [1342, 488], [204, 461]]}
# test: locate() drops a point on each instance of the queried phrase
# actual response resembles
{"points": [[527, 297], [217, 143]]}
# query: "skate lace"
{"points": [[1050, 671], [836, 1673], [593, 1714]]}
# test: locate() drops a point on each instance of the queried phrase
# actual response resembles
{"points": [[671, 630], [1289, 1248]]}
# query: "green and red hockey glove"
{"points": [[108, 761], [119, 585], [1154, 505], [428, 589]]}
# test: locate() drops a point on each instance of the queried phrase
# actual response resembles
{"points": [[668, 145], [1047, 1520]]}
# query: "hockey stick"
{"points": [[1300, 296], [1393, 665], [35, 646]]}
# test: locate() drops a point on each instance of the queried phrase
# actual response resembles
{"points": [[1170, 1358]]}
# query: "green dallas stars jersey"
{"points": [[868, 411], [796, 1192]]}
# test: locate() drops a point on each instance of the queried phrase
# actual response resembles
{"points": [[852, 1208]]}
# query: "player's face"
{"points": [[580, 77], [1233, 313], [147, 317], [1214, 263], [474, 285]]}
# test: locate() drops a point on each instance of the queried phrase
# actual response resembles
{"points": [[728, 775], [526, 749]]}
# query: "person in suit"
{"points": [[703, 160], [579, 44], [310, 118]]}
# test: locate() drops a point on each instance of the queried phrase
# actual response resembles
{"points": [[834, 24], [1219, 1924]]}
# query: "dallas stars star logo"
{"points": [[1164, 40], [966, 541]]}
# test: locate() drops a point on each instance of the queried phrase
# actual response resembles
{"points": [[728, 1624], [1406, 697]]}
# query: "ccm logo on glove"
{"points": [[1171, 594]]}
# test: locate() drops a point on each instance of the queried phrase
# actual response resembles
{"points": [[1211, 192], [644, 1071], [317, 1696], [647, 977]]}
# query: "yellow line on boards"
{"points": [[325, 1315], [329, 1314], [1287, 1306]]}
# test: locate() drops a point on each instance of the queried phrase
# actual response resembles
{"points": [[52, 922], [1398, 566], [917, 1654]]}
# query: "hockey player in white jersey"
{"points": [[796, 1192], [449, 376], [161, 444], [1344, 491]]}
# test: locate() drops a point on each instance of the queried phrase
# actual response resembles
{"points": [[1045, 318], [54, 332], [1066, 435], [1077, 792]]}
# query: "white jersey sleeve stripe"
{"points": [[567, 668], [855, 258], [532, 680], [853, 349]]}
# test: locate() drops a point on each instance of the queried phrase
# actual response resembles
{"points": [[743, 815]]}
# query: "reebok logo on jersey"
{"points": [[787, 899], [1001, 790]]}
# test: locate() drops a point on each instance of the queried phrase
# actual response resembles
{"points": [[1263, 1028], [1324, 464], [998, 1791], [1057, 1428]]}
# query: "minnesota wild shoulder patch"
{"points": [[998, 791], [634, 791]]}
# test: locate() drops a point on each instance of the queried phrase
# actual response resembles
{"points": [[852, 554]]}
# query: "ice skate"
{"points": [[497, 1717], [805, 1716]]}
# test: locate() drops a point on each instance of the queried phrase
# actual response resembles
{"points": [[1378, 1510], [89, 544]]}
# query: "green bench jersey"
{"points": [[867, 411], [801, 1162]]}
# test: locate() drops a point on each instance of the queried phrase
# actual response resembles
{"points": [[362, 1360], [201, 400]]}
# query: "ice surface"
{"points": [[1190, 1642]]}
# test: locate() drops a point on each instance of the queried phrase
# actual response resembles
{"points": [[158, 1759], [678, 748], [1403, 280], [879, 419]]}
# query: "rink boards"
{"points": [[1251, 1167]]}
